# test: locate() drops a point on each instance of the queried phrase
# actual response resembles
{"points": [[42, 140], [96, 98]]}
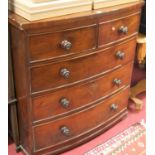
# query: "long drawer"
{"points": [[74, 126], [118, 29], [60, 44], [62, 74], [73, 99]]}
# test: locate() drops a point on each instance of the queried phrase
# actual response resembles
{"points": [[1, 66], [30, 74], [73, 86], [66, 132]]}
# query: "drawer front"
{"points": [[74, 98], [59, 131], [64, 43], [118, 29], [52, 76]]}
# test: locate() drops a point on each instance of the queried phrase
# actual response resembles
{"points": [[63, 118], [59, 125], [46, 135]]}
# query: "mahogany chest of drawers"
{"points": [[72, 75]]}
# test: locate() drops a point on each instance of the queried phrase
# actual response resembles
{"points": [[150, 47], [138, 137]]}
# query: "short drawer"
{"points": [[69, 72], [77, 125], [59, 44], [73, 99], [114, 30]]}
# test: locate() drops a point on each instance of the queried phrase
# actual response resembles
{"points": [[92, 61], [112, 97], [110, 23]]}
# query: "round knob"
{"points": [[117, 82], [120, 54], [65, 131], [123, 29], [65, 73], [65, 44], [64, 102], [114, 106]]}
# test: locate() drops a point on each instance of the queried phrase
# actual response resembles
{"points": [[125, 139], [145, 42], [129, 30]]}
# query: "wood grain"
{"points": [[111, 28], [80, 96], [77, 122], [22, 85], [80, 68], [92, 63], [47, 46]]}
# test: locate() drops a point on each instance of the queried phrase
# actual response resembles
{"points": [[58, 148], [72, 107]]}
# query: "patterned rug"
{"points": [[132, 141]]}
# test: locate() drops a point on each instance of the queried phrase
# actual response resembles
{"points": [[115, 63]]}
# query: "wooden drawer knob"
{"points": [[114, 106], [65, 131], [120, 55], [117, 82], [66, 45], [123, 30], [64, 102], [65, 73]]}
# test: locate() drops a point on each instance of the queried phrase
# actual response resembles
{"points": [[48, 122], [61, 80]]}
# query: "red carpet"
{"points": [[124, 124]]}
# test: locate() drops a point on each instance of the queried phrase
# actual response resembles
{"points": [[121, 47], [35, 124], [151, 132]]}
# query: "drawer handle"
{"points": [[117, 82], [123, 29], [65, 131], [65, 73], [65, 102], [120, 55], [114, 107], [65, 44]]}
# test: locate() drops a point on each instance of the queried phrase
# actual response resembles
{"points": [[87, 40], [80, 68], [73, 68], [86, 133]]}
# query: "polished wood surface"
{"points": [[12, 103], [76, 123], [49, 107], [114, 28], [22, 86], [74, 20], [11, 89], [141, 48], [79, 67], [48, 46], [70, 69]]}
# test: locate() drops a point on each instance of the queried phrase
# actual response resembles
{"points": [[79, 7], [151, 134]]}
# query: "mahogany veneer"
{"points": [[113, 27], [72, 75], [96, 115], [80, 68], [47, 46], [48, 106]]}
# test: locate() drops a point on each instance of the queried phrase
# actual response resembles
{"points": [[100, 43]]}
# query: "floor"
{"points": [[132, 118]]}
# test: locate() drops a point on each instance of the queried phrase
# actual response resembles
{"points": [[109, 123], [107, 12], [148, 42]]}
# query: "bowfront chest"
{"points": [[72, 75]]}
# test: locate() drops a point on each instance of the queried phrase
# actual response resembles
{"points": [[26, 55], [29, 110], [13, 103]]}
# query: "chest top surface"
{"points": [[73, 20]]}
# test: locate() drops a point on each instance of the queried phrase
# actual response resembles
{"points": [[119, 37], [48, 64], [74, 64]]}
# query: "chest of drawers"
{"points": [[72, 75]]}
